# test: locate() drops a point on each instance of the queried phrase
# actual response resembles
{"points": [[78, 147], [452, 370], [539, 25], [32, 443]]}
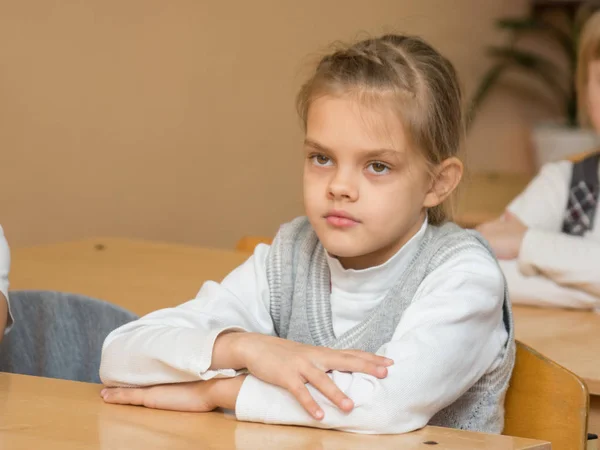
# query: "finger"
{"points": [[124, 396], [321, 381], [349, 363], [371, 357], [299, 390]]}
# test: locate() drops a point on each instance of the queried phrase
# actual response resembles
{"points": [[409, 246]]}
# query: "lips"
{"points": [[341, 219]]}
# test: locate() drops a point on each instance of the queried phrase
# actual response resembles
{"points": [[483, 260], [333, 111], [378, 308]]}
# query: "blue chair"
{"points": [[58, 335]]}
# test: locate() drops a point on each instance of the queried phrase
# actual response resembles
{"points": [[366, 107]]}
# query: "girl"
{"points": [[369, 315], [549, 239], [5, 316]]}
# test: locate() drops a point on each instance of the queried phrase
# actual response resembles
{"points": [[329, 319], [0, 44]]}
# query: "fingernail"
{"points": [[382, 371], [102, 392], [347, 403], [389, 361], [318, 414]]}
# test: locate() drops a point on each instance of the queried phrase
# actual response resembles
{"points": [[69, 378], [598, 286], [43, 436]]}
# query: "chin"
{"points": [[341, 249]]}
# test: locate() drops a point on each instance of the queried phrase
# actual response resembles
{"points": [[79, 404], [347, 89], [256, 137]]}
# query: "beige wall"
{"points": [[174, 120]]}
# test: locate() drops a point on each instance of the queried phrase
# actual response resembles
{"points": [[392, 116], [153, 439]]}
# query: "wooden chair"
{"points": [[545, 401], [580, 156]]}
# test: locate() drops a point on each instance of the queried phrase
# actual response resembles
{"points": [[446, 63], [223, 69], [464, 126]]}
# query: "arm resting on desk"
{"points": [[444, 343], [569, 261], [175, 345], [538, 290]]}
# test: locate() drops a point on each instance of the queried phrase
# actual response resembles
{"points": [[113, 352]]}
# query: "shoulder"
{"points": [[553, 175], [559, 170], [466, 273], [451, 242], [542, 202], [463, 257]]}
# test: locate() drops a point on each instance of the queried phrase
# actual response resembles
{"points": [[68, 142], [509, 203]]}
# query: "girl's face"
{"points": [[593, 94], [365, 191]]}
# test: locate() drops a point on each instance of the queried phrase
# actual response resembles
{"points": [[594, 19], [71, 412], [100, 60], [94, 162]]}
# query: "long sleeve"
{"points": [[4, 270], [538, 290], [569, 261], [448, 338], [175, 344]]}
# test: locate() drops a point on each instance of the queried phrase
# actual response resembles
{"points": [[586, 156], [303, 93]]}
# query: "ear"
{"points": [[446, 177]]}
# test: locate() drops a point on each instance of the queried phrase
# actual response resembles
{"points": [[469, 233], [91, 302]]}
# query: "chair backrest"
{"points": [[575, 158], [248, 243], [58, 335], [545, 401]]}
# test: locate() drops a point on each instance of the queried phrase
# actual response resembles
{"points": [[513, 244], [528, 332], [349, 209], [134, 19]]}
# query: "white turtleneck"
{"points": [[450, 336], [354, 293]]}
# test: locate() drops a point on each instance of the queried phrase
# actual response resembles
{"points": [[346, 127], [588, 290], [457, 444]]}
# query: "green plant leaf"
{"points": [[530, 25], [535, 64], [484, 88]]}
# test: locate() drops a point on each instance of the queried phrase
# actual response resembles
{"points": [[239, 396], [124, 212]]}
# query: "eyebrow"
{"points": [[375, 153]]}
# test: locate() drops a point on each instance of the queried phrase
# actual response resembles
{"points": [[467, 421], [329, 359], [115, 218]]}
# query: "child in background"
{"points": [[373, 314], [5, 317], [548, 241]]}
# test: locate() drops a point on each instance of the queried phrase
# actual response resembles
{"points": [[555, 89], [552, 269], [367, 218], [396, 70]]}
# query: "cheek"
{"points": [[312, 178], [312, 186], [389, 203]]}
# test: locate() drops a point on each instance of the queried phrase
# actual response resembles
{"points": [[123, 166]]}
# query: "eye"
{"points": [[378, 168], [321, 160]]}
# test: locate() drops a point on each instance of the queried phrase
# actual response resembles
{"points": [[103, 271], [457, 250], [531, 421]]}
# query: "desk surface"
{"points": [[145, 276], [571, 338], [55, 414], [140, 276]]}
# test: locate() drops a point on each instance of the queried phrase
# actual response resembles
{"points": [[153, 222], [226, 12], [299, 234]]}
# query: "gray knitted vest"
{"points": [[299, 285]]}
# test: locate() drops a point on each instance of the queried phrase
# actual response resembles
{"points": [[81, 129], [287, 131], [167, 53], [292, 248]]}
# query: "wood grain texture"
{"points": [[140, 276], [546, 400], [42, 413]]}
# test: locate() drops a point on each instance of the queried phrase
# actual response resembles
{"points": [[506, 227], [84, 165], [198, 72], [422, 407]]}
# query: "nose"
{"points": [[343, 186]]}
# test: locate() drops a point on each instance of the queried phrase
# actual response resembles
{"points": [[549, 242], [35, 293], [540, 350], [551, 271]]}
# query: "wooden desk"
{"points": [[140, 276], [42, 413], [145, 276], [572, 339]]}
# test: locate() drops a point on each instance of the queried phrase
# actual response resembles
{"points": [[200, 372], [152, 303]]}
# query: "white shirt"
{"points": [[4, 263], [553, 268], [4, 269], [450, 336]]}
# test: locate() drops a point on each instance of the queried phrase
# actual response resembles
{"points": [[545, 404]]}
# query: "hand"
{"points": [[291, 365], [505, 235], [197, 396]]}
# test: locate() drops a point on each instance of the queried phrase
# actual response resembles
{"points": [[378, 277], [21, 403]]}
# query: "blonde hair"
{"points": [[589, 51], [420, 83]]}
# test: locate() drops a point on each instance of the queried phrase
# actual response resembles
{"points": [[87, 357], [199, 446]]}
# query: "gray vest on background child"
{"points": [[299, 283], [583, 197]]}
